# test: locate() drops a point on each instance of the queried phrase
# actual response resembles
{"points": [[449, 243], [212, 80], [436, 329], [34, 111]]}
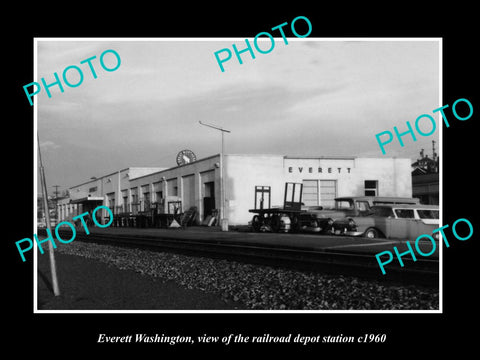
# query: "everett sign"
{"points": [[311, 170]]}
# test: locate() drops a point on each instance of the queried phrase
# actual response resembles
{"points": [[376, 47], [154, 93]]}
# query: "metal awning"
{"points": [[86, 199]]}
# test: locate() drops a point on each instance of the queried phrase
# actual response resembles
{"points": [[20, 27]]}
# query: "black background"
{"points": [[60, 335]]}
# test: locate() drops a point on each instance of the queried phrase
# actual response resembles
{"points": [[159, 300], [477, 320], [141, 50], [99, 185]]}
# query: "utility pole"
{"points": [[53, 267], [56, 190], [56, 202], [223, 216]]}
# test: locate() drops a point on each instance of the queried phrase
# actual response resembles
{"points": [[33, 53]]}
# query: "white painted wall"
{"points": [[244, 172]]}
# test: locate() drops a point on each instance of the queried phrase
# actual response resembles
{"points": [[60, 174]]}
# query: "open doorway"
{"points": [[208, 198]]}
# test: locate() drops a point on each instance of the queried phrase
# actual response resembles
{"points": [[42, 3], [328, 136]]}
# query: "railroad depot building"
{"points": [[198, 184]]}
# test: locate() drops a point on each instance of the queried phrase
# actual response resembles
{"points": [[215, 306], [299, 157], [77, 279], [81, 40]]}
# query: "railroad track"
{"points": [[422, 272]]}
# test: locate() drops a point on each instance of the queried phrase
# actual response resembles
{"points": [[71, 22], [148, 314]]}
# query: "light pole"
{"points": [[223, 217]]}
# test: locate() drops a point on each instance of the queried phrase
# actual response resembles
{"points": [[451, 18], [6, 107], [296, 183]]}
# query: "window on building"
{"points": [[172, 187], [157, 191], [135, 201], [146, 201], [310, 192], [125, 200], [328, 193], [159, 196], [188, 191], [111, 200], [371, 188], [134, 198], [208, 189], [145, 189]]}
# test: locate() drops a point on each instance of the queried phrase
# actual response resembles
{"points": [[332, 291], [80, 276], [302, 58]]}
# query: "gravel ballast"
{"points": [[262, 287]]}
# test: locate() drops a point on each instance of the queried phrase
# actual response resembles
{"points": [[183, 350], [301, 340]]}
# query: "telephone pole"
{"points": [[53, 267], [56, 202], [56, 190]]}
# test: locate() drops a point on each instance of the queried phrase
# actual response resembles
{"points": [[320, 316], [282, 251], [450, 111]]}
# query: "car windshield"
{"points": [[363, 206], [344, 204], [405, 213], [428, 213]]}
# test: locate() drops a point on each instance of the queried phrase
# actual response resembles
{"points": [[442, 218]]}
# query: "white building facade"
{"points": [[198, 184]]}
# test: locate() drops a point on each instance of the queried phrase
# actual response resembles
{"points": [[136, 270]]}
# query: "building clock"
{"points": [[185, 157]]}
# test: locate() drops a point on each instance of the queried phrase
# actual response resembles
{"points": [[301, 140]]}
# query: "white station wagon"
{"points": [[396, 221]]}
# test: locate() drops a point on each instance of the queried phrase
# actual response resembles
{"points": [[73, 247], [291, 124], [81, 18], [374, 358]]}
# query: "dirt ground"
{"points": [[87, 284]]}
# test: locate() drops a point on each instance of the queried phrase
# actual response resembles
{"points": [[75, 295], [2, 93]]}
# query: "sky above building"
{"points": [[312, 97]]}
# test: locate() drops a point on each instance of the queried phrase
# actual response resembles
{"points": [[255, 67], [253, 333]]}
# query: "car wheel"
{"points": [[256, 223], [295, 223], [371, 233], [327, 227], [275, 223]]}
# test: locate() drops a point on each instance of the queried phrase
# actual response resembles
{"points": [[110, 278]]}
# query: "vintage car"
{"points": [[399, 221], [346, 209]]}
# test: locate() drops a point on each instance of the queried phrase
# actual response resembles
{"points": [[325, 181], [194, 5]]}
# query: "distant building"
{"points": [[425, 178], [52, 207]]}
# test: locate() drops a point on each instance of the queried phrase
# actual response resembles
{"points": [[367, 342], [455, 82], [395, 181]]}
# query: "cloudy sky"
{"points": [[310, 97]]}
